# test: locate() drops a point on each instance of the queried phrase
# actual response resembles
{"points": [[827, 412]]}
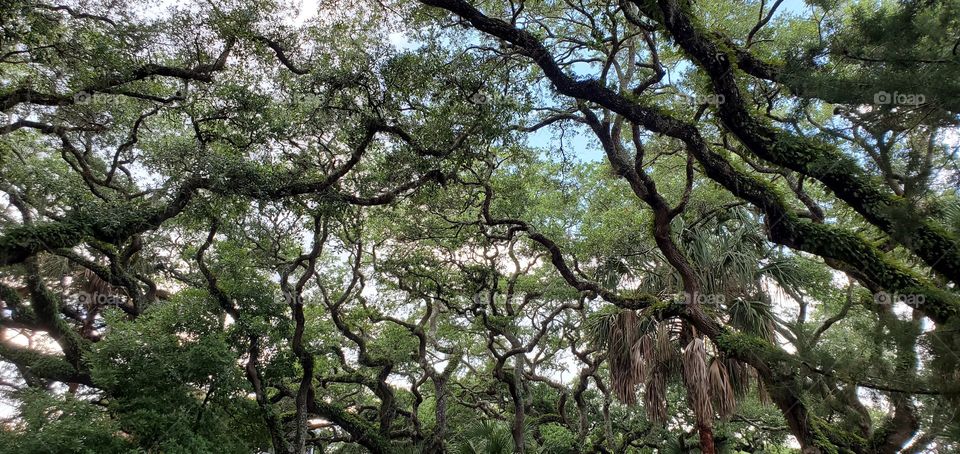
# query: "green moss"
{"points": [[856, 251], [742, 344], [835, 440], [38, 237], [642, 298], [45, 366], [746, 346], [49, 366]]}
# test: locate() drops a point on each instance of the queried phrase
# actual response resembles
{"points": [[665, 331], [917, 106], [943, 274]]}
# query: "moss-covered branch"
{"points": [[840, 173]]}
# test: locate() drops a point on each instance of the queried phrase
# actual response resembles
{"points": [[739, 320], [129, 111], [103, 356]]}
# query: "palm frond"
{"points": [[721, 388], [611, 272], [784, 270], [665, 350], [655, 397], [696, 380], [623, 375], [642, 354], [739, 376], [753, 317], [600, 323], [951, 217], [485, 437]]}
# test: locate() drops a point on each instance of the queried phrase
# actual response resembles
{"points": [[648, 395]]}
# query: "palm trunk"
{"points": [[706, 438]]}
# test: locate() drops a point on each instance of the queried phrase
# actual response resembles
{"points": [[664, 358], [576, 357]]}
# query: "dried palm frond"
{"points": [[633, 349], [686, 334], [623, 377], [642, 355], [665, 350], [92, 284], [721, 389], [696, 380], [762, 390], [739, 376], [655, 397]]}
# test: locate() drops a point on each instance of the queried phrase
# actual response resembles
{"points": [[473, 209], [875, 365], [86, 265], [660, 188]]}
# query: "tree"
{"points": [[226, 229]]}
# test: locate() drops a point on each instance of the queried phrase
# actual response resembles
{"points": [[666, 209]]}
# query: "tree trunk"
{"points": [[706, 439]]}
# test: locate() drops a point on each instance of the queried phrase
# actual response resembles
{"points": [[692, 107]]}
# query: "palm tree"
{"points": [[487, 437], [734, 266]]}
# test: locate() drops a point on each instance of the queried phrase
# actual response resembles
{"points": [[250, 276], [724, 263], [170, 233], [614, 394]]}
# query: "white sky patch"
{"points": [[400, 40], [308, 10], [951, 137]]}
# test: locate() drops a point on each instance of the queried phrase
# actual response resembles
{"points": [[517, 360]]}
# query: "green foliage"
{"points": [[558, 440], [460, 245], [62, 424], [171, 370]]}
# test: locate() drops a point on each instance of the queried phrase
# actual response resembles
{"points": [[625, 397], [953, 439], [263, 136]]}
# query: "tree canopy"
{"points": [[569, 226]]}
